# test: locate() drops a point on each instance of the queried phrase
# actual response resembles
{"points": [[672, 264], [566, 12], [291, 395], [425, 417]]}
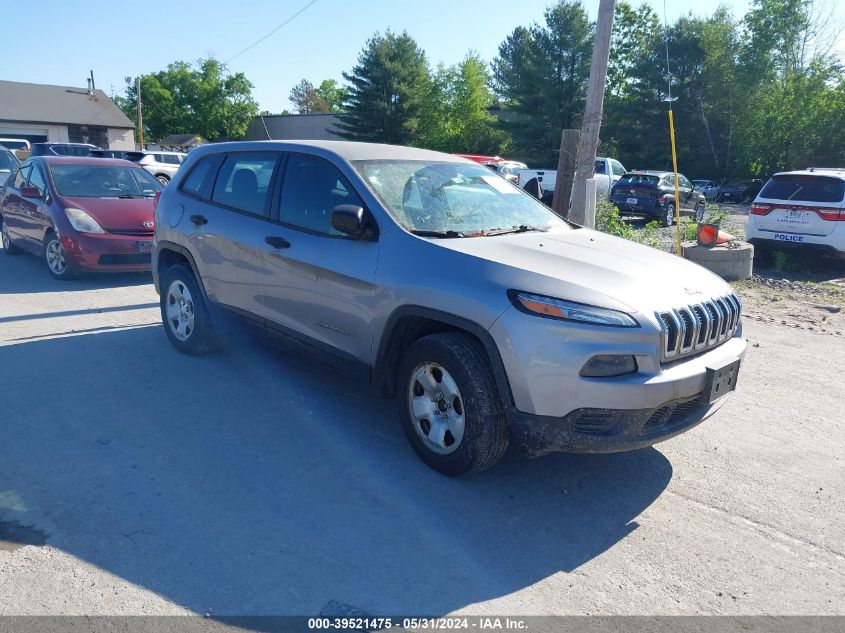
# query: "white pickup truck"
{"points": [[608, 171]]}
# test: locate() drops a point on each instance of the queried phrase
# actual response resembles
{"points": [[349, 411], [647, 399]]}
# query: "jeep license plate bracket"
{"points": [[721, 380]]}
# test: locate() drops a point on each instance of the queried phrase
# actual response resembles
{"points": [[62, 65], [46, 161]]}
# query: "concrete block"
{"points": [[730, 262]]}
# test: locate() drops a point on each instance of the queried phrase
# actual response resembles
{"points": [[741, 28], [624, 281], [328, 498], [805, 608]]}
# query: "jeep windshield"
{"points": [[453, 200]]}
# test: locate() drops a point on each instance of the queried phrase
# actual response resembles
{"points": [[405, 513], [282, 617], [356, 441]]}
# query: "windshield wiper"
{"points": [[522, 228], [132, 195], [441, 234]]}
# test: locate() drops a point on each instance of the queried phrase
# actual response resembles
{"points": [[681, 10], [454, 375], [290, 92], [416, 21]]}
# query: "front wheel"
{"points": [[56, 258], [164, 180], [450, 407], [8, 246], [699, 213], [184, 313], [668, 216]]}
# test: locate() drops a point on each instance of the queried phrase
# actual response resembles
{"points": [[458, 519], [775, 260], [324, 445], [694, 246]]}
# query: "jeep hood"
{"points": [[593, 267]]}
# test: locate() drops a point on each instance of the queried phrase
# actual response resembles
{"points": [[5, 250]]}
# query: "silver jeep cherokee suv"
{"points": [[489, 317]]}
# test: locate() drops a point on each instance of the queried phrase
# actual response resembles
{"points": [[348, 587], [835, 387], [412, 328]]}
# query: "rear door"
{"points": [[799, 204], [15, 206], [226, 223]]}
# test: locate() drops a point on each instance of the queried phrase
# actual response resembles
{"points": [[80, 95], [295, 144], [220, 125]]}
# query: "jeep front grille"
{"points": [[696, 328]]}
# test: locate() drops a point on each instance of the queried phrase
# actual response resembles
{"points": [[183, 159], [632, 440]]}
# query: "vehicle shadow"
{"points": [[27, 273], [250, 482]]}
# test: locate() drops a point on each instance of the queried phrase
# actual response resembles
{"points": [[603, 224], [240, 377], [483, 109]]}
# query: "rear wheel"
{"points": [[8, 246], [56, 258], [163, 179], [668, 216], [699, 212], [184, 313], [450, 408]]}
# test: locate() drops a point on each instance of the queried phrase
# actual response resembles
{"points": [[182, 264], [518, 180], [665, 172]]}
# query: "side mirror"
{"points": [[349, 219], [30, 192]]}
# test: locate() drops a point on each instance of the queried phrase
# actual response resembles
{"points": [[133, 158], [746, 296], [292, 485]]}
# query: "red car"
{"points": [[80, 214]]}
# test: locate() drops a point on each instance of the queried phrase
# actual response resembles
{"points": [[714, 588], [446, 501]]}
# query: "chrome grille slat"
{"points": [[695, 328]]}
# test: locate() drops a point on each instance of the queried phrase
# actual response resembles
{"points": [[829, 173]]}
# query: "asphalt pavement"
{"points": [[135, 480]]}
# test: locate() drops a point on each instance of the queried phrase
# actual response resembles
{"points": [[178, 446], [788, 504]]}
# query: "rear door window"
{"points": [[244, 180], [804, 188], [600, 167], [617, 168], [199, 180]]}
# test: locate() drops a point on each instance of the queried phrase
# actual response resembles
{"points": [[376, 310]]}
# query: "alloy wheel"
{"points": [[4, 236], [56, 257], [436, 408]]}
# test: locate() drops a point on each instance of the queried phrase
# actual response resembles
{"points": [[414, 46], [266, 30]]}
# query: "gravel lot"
{"points": [[134, 480]]}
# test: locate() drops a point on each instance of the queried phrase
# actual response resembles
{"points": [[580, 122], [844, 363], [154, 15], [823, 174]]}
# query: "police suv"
{"points": [[800, 210]]}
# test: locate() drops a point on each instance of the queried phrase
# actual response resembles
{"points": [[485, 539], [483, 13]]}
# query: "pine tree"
{"points": [[386, 91]]}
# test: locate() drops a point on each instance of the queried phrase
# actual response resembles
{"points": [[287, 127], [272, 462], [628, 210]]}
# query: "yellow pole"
{"points": [[677, 193]]}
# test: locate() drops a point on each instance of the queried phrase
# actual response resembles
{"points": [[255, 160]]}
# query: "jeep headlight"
{"points": [[570, 310]]}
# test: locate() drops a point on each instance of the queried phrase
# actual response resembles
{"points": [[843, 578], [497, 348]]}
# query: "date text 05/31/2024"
{"points": [[458, 623]]}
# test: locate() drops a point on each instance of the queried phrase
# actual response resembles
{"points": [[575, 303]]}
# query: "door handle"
{"points": [[199, 220], [277, 242]]}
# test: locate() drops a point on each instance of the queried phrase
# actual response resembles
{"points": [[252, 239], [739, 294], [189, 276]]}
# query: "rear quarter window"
{"points": [[804, 188]]}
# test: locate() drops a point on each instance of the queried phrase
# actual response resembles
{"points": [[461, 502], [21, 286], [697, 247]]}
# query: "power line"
{"points": [[257, 42]]}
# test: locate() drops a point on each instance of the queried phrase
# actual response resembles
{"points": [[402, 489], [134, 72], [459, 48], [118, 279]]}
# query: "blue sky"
{"points": [[118, 39]]}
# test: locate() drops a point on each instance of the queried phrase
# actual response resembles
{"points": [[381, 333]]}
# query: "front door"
{"points": [[320, 282]]}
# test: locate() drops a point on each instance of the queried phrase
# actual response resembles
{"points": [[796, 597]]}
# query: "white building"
{"points": [[62, 114]]}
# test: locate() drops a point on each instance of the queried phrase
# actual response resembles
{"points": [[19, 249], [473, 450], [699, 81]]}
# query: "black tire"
{"points": [[164, 179], [486, 434], [667, 217], [699, 212], [65, 274], [199, 338], [8, 246]]}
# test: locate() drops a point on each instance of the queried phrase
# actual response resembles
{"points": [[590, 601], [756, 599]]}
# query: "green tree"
{"points": [[540, 74], [456, 116], [332, 94], [386, 91], [201, 99]]}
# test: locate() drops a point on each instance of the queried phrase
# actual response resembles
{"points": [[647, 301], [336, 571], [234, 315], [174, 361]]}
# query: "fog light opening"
{"points": [[609, 366]]}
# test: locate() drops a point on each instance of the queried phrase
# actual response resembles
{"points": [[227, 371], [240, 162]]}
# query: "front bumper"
{"points": [[592, 430], [557, 409], [107, 252]]}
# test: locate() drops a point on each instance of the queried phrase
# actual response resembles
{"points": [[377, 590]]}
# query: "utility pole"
{"points": [[583, 206], [140, 116], [565, 171]]}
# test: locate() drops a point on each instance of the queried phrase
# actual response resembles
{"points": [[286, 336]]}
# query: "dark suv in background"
{"points": [[652, 194]]}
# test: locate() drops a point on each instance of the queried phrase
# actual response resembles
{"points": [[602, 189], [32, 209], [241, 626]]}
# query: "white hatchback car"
{"points": [[800, 210]]}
